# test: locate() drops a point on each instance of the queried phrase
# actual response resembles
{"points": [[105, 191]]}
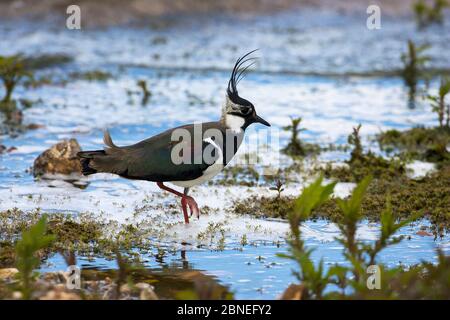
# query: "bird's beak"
{"points": [[261, 120]]}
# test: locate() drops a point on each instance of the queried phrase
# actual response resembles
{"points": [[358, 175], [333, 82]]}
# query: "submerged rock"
{"points": [[59, 159]]}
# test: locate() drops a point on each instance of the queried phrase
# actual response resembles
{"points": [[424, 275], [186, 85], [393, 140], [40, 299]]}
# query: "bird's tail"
{"points": [[100, 160], [85, 159]]}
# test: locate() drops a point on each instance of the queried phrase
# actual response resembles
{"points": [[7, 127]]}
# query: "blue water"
{"points": [[188, 84]]}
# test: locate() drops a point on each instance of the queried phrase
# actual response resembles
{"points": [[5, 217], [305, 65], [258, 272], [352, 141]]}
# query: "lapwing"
{"points": [[157, 159]]}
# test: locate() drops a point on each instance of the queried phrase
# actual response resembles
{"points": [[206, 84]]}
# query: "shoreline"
{"points": [[161, 14]]}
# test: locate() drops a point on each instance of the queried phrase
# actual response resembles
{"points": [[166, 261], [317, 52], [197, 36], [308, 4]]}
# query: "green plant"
{"points": [[278, 187], [12, 71], [438, 103], [317, 282], [362, 164], [146, 94], [314, 279], [427, 14], [426, 144], [294, 147], [27, 248], [354, 139], [413, 63]]}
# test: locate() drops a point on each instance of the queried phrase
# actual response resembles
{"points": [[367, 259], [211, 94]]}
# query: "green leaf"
{"points": [[27, 247], [311, 197], [351, 208]]}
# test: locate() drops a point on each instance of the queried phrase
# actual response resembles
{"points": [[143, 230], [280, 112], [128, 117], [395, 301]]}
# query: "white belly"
{"points": [[209, 173]]}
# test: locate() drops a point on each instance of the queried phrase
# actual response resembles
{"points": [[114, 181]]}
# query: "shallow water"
{"points": [[187, 73]]}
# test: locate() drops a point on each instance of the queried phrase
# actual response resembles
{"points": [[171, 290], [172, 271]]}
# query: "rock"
{"points": [[423, 233], [59, 294], [125, 288], [293, 292], [59, 159], [8, 273], [147, 291]]}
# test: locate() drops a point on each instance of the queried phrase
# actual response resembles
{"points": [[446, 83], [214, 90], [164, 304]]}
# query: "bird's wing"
{"points": [[155, 159]]}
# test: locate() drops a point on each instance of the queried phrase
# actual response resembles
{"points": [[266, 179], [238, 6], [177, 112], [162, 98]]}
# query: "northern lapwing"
{"points": [[157, 159]]}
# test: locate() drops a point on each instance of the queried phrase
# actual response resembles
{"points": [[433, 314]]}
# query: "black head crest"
{"points": [[236, 75]]}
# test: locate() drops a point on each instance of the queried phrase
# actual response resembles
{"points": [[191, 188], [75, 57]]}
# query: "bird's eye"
{"points": [[245, 110]]}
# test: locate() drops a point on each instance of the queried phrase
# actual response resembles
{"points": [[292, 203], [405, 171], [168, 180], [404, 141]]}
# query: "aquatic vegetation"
{"points": [[311, 278], [438, 103], [92, 75], [352, 281], [429, 196], [414, 61], [420, 143], [146, 94], [262, 206], [354, 140], [362, 164], [427, 14], [27, 248], [212, 232], [278, 188], [86, 234], [12, 72], [44, 61], [295, 147], [237, 175]]}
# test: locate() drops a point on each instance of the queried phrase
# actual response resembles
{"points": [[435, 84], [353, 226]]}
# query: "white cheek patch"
{"points": [[234, 123]]}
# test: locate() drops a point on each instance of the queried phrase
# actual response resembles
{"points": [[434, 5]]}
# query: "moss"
{"points": [[429, 196], [363, 164], [427, 144], [238, 175], [261, 206], [47, 61], [84, 234], [369, 164], [93, 75]]}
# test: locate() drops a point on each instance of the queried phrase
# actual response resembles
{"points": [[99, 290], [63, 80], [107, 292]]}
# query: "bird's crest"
{"points": [[237, 74]]}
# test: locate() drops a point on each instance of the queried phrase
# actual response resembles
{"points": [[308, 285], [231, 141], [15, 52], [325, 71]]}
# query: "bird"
{"points": [[167, 157]]}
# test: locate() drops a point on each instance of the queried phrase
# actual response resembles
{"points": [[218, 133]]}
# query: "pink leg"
{"points": [[184, 207], [186, 201]]}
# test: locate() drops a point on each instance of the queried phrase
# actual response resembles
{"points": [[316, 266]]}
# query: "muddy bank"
{"points": [[115, 12]]}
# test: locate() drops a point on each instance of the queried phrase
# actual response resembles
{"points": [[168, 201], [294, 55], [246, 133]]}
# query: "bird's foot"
{"points": [[187, 201]]}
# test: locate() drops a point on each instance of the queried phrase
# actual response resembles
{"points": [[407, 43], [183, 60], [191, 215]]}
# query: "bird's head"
{"points": [[239, 113]]}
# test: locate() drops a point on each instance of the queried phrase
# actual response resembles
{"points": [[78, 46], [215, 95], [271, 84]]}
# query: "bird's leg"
{"points": [[191, 203], [185, 201], [184, 205]]}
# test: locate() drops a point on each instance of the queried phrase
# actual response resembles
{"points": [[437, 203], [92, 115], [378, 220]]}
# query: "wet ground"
{"points": [[327, 68]]}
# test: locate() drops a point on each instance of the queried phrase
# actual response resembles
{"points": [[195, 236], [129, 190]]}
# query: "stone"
{"points": [[59, 159], [8, 273], [58, 294], [147, 291]]}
